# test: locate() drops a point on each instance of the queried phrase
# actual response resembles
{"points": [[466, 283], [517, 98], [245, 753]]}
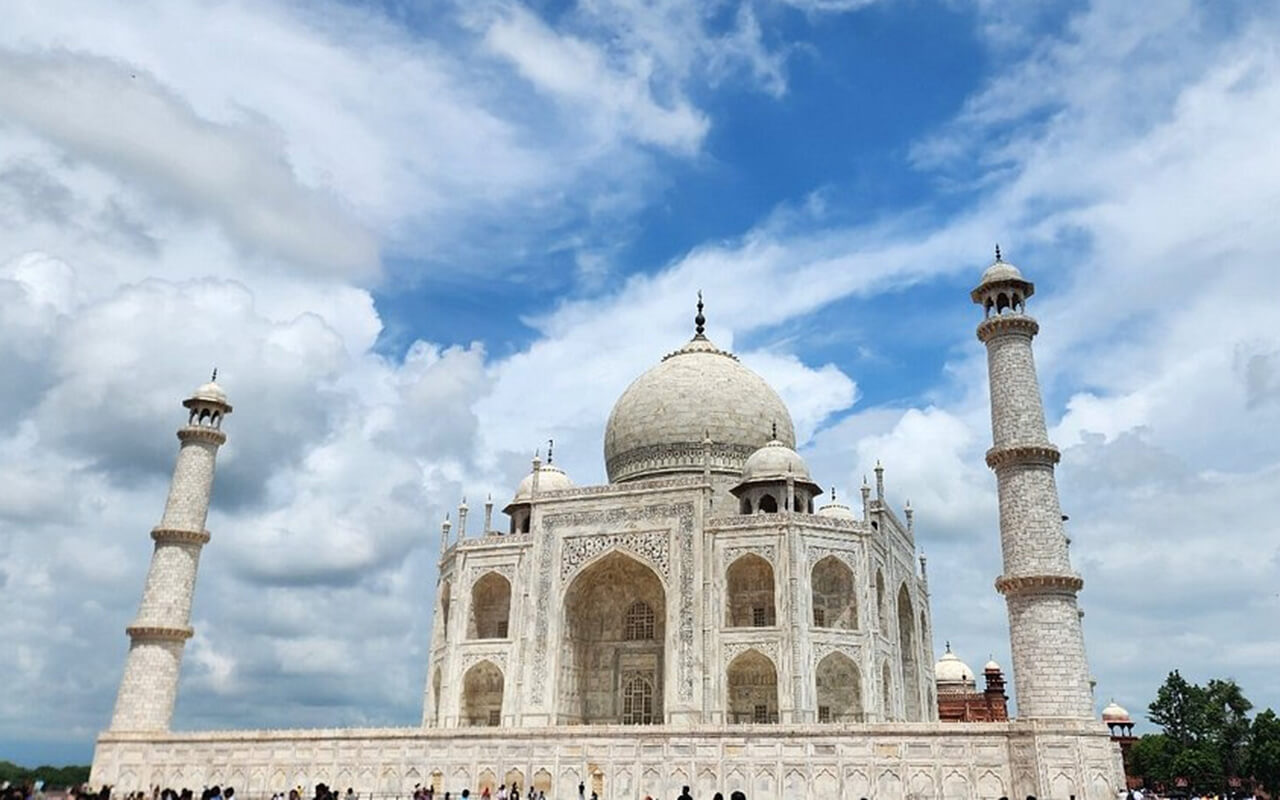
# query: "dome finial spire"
{"points": [[998, 252], [214, 377], [551, 443], [699, 322]]}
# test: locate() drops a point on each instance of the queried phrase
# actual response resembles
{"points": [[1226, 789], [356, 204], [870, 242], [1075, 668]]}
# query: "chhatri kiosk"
{"points": [[706, 618]]}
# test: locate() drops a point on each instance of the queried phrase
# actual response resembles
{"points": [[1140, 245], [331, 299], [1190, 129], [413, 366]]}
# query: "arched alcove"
{"points": [[446, 600], [750, 593], [435, 697], [753, 689], [839, 689], [882, 611], [910, 658], [886, 691], [768, 504], [482, 695], [615, 632], [834, 603], [490, 608]]}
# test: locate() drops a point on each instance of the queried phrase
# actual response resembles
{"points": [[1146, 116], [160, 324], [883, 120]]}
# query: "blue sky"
{"points": [[420, 239]]}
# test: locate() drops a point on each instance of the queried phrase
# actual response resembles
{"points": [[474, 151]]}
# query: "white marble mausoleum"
{"points": [[709, 617]]}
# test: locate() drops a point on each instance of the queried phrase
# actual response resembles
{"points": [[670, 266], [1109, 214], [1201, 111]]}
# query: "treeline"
{"points": [[59, 777], [1207, 739]]}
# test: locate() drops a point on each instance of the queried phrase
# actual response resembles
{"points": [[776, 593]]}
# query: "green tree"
{"points": [[1264, 751], [1180, 709], [1227, 723], [1152, 756], [1201, 766]]}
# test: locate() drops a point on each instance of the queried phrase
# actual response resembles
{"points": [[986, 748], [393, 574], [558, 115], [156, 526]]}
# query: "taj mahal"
{"points": [[710, 617]]}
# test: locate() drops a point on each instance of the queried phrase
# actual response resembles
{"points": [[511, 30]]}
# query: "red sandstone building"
{"points": [[958, 697]]}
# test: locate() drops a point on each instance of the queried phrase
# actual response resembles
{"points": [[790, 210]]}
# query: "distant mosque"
{"points": [[701, 619]]}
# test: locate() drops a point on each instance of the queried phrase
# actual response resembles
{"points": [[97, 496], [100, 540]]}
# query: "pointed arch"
{"points": [[750, 593], [907, 651], [834, 602], [435, 698], [446, 602], [768, 504], [482, 689], [886, 691], [838, 684], [752, 679], [614, 630], [490, 608], [882, 611]]}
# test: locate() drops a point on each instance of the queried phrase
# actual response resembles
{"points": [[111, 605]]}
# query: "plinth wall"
{"points": [[1054, 760]]}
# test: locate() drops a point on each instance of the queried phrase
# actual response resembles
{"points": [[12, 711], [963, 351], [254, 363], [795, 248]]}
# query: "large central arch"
{"points": [[613, 653], [910, 663]]}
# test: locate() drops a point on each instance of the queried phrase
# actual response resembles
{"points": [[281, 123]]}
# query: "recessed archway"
{"points": [[839, 689], [910, 659], [753, 689], [482, 695], [750, 593], [613, 653], [834, 604], [490, 608]]}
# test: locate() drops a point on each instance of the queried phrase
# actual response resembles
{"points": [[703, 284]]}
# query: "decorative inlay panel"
{"points": [[768, 647], [651, 546], [766, 551]]}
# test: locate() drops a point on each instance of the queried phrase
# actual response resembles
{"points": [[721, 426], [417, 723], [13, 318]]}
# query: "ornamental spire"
{"points": [[998, 252], [699, 322], [551, 443], [214, 377]]}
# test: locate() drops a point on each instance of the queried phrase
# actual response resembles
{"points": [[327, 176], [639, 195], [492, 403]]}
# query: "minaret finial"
{"points": [[214, 377], [699, 322], [551, 443], [997, 251], [948, 645], [833, 494]]}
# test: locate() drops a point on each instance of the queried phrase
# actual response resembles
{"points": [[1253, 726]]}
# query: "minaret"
{"points": [[1050, 673], [160, 631]]}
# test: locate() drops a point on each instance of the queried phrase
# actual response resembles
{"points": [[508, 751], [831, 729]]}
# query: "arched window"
{"points": [[839, 689], [1002, 302], [482, 695], [833, 598], [639, 622], [886, 691], [490, 607], [745, 506], [910, 659], [753, 689], [750, 593], [882, 610], [637, 702], [446, 600], [768, 505]]}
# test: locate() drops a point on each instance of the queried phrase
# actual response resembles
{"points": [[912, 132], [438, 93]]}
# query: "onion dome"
{"points": [[550, 478], [658, 426], [208, 403], [951, 674], [1114, 713], [992, 666], [836, 510], [1002, 275]]}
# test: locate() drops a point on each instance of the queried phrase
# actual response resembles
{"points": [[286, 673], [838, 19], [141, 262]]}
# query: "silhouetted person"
{"points": [[684, 794]]}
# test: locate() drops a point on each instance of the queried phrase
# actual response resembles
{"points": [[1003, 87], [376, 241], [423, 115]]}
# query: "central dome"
{"points": [[658, 425]]}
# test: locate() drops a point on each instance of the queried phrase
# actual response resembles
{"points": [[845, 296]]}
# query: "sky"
{"points": [[419, 239]]}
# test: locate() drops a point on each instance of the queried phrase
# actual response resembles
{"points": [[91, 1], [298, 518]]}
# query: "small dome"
{"points": [[992, 666], [774, 461], [951, 670], [550, 478], [1001, 271], [1114, 712], [211, 392], [837, 511]]}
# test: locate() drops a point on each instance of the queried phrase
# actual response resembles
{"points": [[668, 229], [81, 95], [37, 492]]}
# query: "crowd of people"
{"points": [[322, 792]]}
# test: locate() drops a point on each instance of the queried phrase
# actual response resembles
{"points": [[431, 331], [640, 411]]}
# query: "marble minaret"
{"points": [[161, 629], [1050, 673]]}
